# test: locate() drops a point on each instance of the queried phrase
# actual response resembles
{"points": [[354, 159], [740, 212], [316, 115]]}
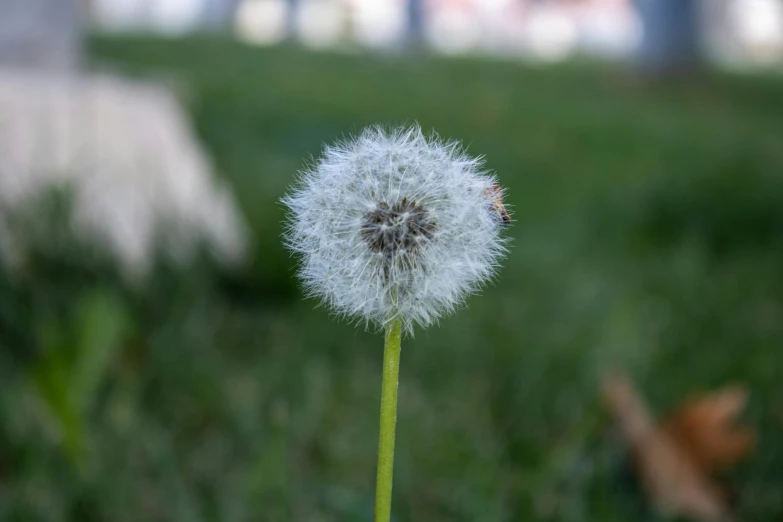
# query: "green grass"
{"points": [[648, 236]]}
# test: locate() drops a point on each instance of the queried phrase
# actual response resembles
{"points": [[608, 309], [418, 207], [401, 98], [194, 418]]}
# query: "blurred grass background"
{"points": [[648, 236]]}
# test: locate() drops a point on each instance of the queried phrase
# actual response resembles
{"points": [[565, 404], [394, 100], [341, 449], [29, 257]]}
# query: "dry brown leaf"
{"points": [[704, 428], [675, 461]]}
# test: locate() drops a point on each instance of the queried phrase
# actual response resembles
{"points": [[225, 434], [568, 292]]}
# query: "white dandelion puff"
{"points": [[396, 226]]}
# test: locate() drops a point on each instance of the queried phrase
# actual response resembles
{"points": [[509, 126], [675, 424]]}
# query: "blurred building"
{"points": [[730, 31]]}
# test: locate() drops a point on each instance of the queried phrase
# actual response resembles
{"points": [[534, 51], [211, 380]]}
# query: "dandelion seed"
{"points": [[395, 229], [392, 225]]}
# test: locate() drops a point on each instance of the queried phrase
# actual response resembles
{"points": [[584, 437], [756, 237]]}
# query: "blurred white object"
{"points": [[552, 34], [378, 23], [164, 16], [759, 25], [262, 22], [610, 29], [453, 28], [320, 23], [744, 33], [138, 175]]}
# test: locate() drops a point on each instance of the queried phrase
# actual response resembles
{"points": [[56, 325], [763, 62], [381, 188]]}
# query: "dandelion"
{"points": [[395, 230]]}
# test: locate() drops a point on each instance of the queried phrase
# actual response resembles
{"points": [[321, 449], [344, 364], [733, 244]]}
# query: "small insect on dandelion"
{"points": [[394, 230], [496, 193]]}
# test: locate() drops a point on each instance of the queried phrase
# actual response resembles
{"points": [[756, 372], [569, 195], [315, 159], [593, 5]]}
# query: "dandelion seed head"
{"points": [[395, 225]]}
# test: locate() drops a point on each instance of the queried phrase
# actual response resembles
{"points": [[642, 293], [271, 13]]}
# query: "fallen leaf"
{"points": [[675, 460], [704, 427]]}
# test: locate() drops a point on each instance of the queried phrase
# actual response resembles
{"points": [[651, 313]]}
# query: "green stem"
{"points": [[391, 371]]}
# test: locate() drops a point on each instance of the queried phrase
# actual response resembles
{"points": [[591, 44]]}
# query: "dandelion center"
{"points": [[398, 229]]}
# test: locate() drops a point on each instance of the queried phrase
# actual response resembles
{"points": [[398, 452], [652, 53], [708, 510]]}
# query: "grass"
{"points": [[648, 236]]}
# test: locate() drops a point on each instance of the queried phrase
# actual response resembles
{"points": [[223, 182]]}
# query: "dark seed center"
{"points": [[398, 229]]}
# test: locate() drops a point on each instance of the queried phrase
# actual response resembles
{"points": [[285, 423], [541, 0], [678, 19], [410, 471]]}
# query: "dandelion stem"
{"points": [[391, 371]]}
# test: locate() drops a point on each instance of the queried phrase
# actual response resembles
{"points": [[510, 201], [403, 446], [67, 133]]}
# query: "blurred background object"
{"points": [[158, 361], [40, 33], [737, 32], [671, 35], [137, 175], [124, 149]]}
